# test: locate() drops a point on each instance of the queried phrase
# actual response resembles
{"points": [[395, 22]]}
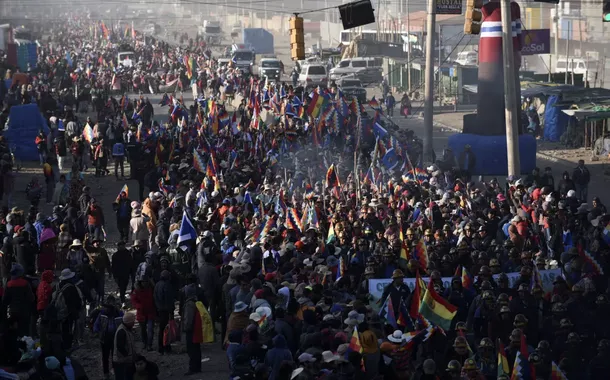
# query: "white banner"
{"points": [[376, 286]]}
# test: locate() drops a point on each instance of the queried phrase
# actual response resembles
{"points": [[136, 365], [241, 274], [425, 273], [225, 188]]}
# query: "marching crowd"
{"points": [[297, 231]]}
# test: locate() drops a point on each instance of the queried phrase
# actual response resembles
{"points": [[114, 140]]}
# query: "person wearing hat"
{"points": [[76, 254], [398, 291], [68, 311], [25, 251], [396, 348], [138, 228], [124, 348], [426, 371], [192, 327], [122, 209], [238, 320], [99, 263], [485, 358], [121, 268], [277, 356], [164, 296], [138, 254], [105, 325]]}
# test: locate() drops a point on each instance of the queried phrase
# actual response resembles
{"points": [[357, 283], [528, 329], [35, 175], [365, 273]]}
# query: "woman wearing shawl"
{"points": [[370, 350], [48, 248]]}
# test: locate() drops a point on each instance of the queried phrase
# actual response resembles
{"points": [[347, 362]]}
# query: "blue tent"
{"points": [[24, 123], [555, 121], [490, 152]]}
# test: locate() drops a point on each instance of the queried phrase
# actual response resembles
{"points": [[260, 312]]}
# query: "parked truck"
{"points": [[211, 32], [259, 40]]}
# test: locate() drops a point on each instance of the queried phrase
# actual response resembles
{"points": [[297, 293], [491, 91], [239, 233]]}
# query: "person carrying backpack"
{"points": [[106, 324], [66, 304]]}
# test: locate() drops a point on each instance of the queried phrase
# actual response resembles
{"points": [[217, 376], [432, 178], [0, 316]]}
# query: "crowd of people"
{"points": [[296, 231]]}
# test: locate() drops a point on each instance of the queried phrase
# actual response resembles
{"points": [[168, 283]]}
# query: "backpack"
{"points": [[108, 325], [143, 273], [123, 210], [58, 305]]}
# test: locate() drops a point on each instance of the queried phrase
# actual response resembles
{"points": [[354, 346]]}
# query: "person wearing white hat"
{"points": [[396, 337], [76, 255]]}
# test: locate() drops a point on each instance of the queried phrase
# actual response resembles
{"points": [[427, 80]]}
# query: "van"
{"points": [[368, 70], [467, 58], [577, 66], [313, 75], [126, 58]]}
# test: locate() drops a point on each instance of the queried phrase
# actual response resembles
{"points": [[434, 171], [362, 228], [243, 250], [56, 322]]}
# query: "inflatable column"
{"points": [[490, 107]]}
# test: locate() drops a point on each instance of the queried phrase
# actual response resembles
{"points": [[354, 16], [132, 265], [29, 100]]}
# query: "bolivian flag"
{"points": [[315, 105], [331, 234], [503, 368], [556, 373], [332, 179], [124, 189], [436, 309]]}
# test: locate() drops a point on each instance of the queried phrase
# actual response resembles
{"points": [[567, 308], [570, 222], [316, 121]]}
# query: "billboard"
{"points": [[449, 7], [536, 41]]}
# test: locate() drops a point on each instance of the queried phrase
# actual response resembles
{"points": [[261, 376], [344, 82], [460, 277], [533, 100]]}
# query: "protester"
{"points": [[124, 357], [299, 221]]}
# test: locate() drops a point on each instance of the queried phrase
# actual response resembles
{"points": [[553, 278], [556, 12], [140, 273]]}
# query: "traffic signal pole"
{"points": [[510, 97], [428, 156]]}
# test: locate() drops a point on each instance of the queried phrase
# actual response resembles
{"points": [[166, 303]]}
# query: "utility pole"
{"points": [[440, 59], [510, 97], [408, 46], [556, 36], [378, 19], [565, 79], [429, 83]]}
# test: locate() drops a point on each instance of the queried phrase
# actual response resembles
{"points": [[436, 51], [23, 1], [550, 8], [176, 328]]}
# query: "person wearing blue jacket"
{"points": [[277, 355], [105, 325], [118, 155]]}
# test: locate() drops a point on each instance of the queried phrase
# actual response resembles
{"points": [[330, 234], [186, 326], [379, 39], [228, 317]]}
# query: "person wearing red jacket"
{"points": [[44, 291], [41, 145], [142, 299], [95, 220]]}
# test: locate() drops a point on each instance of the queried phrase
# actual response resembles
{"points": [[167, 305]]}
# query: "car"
{"points": [[313, 75], [270, 67], [352, 87], [243, 58], [223, 62]]}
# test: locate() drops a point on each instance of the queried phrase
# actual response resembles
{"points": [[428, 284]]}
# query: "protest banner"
{"points": [[376, 286]]}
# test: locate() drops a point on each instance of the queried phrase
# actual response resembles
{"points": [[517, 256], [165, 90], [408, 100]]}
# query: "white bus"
{"points": [[346, 36]]}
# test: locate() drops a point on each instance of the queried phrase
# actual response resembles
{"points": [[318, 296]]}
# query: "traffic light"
{"points": [[472, 22], [297, 38], [356, 14], [606, 11]]}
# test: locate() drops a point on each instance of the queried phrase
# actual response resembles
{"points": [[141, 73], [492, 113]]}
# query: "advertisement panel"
{"points": [[536, 41]]}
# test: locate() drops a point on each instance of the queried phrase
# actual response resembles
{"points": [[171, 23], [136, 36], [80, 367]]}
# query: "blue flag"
{"points": [[379, 131], [390, 159], [187, 232]]}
